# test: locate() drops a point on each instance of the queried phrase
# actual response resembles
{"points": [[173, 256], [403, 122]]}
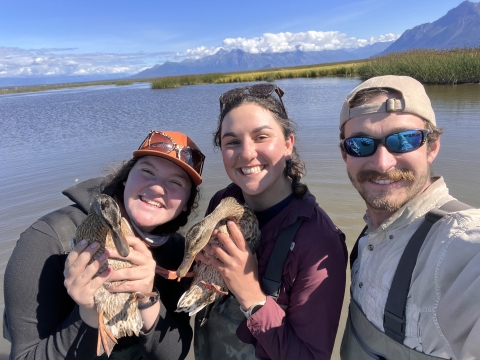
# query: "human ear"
{"points": [[289, 143], [433, 150]]}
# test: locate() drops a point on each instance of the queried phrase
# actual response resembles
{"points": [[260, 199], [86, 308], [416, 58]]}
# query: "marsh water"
{"points": [[54, 139]]}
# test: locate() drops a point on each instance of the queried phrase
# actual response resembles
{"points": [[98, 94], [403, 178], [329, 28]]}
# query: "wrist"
{"points": [[253, 308], [148, 302]]}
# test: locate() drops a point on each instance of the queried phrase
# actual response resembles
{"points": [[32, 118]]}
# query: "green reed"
{"points": [[454, 66], [124, 82]]}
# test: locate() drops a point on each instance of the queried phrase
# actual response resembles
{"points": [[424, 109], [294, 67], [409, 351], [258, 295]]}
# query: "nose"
{"points": [[157, 188], [248, 151], [383, 160]]}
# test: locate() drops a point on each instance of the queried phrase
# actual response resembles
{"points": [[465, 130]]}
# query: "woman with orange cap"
{"points": [[50, 308]]}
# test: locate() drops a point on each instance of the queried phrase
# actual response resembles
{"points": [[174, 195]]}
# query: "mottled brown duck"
{"points": [[118, 313], [208, 285]]}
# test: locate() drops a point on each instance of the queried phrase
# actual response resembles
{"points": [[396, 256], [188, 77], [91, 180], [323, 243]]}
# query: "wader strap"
{"points": [[273, 275], [354, 252], [394, 315]]}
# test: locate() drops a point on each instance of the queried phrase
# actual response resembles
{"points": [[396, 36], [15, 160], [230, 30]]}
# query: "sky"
{"points": [[102, 37]]}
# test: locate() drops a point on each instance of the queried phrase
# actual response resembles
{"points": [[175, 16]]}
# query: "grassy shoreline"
{"points": [[454, 66], [346, 68]]}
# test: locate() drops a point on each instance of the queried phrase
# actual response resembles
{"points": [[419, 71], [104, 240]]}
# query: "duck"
{"points": [[118, 313], [208, 285]]}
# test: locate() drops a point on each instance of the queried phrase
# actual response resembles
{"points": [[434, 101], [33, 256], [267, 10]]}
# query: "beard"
{"points": [[391, 199]]}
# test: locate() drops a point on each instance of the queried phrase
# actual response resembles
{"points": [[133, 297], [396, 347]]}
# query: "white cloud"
{"points": [[287, 41], [16, 62]]}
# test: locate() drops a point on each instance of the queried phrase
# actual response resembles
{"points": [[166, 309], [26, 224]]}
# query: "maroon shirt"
{"points": [[312, 288]]}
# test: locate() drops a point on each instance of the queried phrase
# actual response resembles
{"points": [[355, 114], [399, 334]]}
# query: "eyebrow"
{"points": [[393, 131], [257, 129], [181, 173]]}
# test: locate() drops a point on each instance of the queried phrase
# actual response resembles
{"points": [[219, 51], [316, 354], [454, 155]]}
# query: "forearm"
{"points": [[308, 327]]}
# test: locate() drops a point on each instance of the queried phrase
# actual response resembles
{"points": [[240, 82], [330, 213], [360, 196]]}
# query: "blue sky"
{"points": [[61, 38]]}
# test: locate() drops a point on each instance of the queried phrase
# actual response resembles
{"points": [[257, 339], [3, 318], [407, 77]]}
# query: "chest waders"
{"points": [[361, 339], [216, 338]]}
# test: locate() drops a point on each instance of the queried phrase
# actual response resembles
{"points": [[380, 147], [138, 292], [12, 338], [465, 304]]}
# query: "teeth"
{"points": [[252, 170], [151, 202], [383, 182]]}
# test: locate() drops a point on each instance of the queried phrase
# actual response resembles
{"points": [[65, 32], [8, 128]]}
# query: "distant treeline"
{"points": [[454, 66]]}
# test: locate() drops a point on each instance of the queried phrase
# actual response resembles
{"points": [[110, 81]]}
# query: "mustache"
{"points": [[393, 175]]}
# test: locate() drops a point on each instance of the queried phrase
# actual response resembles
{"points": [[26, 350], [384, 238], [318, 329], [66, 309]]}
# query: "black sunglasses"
{"points": [[399, 142], [259, 90]]}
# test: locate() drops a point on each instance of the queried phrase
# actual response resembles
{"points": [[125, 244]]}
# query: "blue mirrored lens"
{"points": [[404, 141], [359, 146], [400, 142]]}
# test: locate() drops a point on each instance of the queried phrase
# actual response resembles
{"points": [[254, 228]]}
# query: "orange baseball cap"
{"points": [[176, 147]]}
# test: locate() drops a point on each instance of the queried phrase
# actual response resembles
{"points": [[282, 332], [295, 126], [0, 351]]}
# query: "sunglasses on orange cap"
{"points": [[186, 154]]}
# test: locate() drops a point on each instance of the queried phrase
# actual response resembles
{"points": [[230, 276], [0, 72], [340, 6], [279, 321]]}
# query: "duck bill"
{"points": [[185, 265], [121, 243]]}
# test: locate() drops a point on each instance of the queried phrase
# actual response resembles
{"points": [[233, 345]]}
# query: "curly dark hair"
{"points": [[295, 167], [113, 185]]}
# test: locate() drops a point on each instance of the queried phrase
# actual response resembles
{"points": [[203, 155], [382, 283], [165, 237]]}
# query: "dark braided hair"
{"points": [[113, 185], [294, 167]]}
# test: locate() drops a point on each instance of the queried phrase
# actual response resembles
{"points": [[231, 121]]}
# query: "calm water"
{"points": [[51, 140]]}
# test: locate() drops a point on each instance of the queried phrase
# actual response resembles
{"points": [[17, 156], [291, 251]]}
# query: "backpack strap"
{"points": [[354, 252], [394, 316], [273, 275]]}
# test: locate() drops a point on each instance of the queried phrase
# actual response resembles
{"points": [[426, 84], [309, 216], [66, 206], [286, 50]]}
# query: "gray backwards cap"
{"points": [[414, 99]]}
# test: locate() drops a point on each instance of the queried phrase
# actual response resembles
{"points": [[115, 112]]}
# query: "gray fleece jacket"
{"points": [[44, 321]]}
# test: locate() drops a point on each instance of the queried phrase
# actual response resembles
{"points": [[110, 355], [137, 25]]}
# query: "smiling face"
{"points": [[385, 180], [254, 152], [156, 191]]}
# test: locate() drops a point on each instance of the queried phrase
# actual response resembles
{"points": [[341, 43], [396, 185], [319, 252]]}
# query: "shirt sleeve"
{"points": [[43, 320], [458, 283], [307, 329]]}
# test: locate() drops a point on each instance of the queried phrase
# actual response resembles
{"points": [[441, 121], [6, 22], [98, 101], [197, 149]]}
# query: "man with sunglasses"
{"points": [[415, 291]]}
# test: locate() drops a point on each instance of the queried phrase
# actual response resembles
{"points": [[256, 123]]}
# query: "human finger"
{"points": [[76, 251], [237, 236], [77, 262], [83, 276], [138, 245], [135, 257], [203, 257], [140, 284], [228, 243]]}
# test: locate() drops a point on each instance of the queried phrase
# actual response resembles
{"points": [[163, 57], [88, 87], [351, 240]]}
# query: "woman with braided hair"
{"points": [[257, 143]]}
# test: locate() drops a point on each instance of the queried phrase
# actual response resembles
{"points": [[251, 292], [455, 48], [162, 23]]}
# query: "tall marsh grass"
{"points": [[454, 66], [335, 69]]}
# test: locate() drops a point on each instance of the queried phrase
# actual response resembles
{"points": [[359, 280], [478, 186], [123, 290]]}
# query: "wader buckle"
{"points": [[394, 326]]}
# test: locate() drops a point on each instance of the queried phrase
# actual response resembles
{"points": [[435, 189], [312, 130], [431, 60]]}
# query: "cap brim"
{"points": [[197, 180]]}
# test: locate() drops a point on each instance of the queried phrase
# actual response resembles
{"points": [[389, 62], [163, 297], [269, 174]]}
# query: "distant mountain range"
{"points": [[460, 27], [239, 60]]}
